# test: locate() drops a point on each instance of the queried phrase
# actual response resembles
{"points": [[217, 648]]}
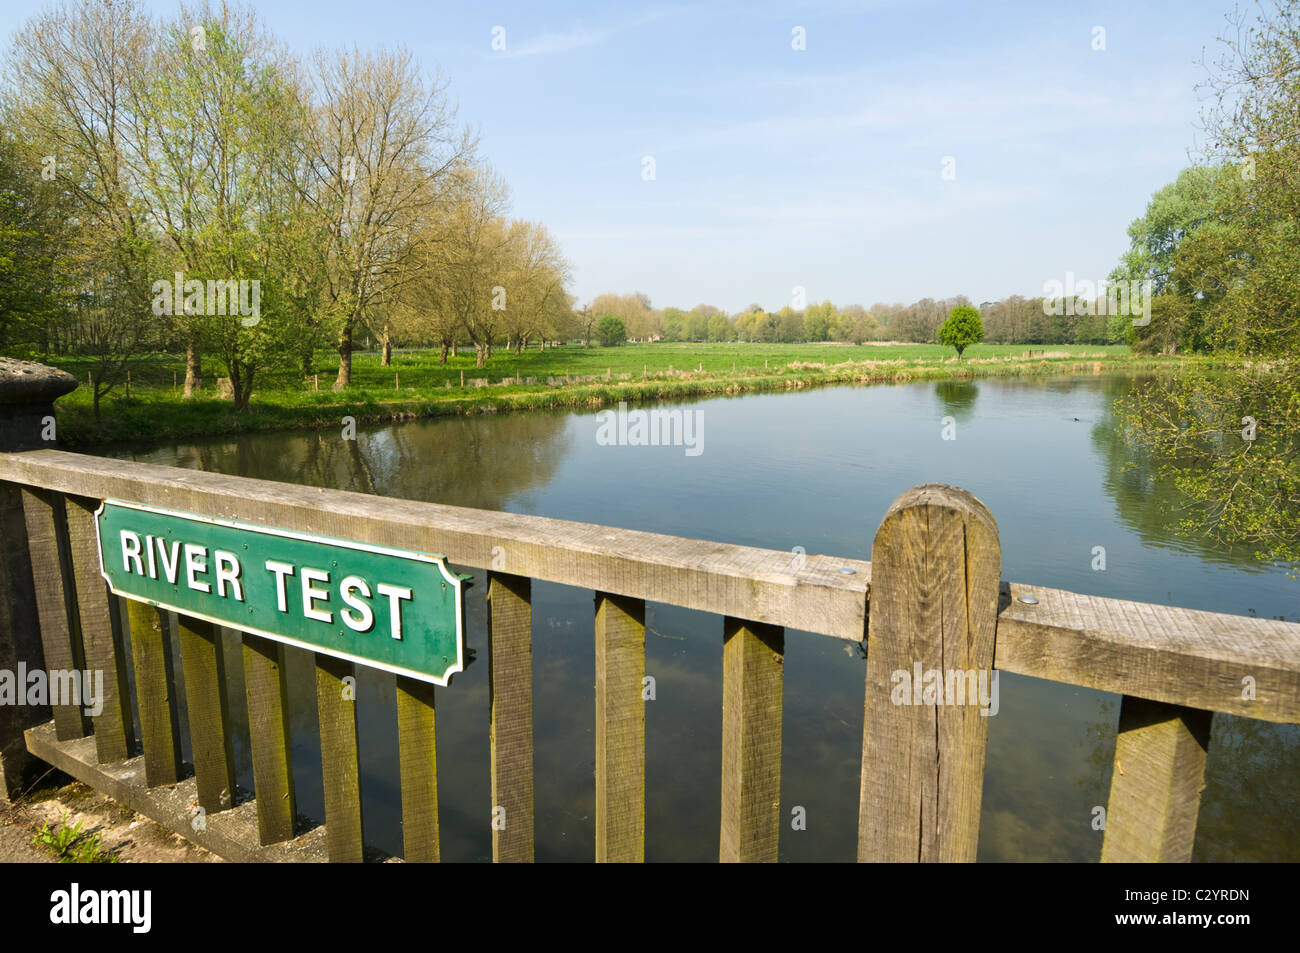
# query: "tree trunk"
{"points": [[345, 359], [386, 355], [487, 350], [479, 359], [542, 343], [193, 368], [442, 354], [243, 390]]}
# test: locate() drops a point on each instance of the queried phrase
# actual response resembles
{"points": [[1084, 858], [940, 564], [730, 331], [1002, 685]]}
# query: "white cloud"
{"points": [[578, 37]]}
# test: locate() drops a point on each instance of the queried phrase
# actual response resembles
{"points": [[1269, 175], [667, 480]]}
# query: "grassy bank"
{"points": [[416, 385]]}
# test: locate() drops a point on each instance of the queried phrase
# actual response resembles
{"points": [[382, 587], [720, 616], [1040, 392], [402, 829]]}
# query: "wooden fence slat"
{"points": [[752, 682], [510, 687], [151, 652], [337, 710], [620, 729], [209, 712], [934, 600], [55, 604], [101, 634], [1155, 788], [268, 730], [417, 751]]}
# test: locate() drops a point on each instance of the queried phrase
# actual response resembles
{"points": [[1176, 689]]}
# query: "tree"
{"points": [[71, 78], [817, 321], [474, 257], [1228, 441], [1174, 213], [533, 283], [673, 321], [382, 145], [218, 128], [611, 331], [34, 263], [962, 329]]}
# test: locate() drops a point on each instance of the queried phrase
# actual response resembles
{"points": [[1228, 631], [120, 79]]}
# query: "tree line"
{"points": [[1012, 320], [140, 153]]}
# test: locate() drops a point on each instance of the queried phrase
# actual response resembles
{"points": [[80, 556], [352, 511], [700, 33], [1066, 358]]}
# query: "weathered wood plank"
{"points": [[753, 657], [1179, 656], [55, 604], [742, 581], [268, 729], [1155, 788], [417, 750], [510, 688], [151, 655], [209, 712], [620, 729], [336, 708], [934, 609], [101, 633]]}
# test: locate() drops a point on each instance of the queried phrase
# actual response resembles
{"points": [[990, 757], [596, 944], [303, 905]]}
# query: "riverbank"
{"points": [[417, 386]]}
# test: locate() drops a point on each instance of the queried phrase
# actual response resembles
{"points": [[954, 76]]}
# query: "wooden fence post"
{"points": [[27, 395], [1155, 790], [936, 564]]}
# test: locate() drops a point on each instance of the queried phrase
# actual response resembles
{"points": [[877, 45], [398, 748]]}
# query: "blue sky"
{"points": [[819, 168]]}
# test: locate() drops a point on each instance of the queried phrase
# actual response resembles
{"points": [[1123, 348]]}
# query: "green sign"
{"points": [[393, 609]]}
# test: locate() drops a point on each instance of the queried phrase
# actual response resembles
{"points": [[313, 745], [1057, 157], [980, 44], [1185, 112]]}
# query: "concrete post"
{"points": [[27, 395]]}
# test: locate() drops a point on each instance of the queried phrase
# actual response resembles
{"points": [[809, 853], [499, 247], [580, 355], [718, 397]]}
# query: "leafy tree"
{"points": [[720, 328], [674, 323], [34, 271], [962, 329], [789, 327], [817, 321], [611, 331], [1174, 213], [1229, 441]]}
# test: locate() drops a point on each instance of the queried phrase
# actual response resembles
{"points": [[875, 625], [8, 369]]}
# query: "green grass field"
{"points": [[416, 385]]}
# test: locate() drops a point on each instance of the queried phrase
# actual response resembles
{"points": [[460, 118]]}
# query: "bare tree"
{"points": [[383, 140]]}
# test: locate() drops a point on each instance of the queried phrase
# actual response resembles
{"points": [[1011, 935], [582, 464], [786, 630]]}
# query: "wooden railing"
{"points": [[935, 598]]}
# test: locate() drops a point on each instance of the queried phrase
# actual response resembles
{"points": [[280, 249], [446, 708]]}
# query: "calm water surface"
{"points": [[815, 469]]}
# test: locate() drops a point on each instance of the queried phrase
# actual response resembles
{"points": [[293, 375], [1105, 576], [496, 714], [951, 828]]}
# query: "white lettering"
{"points": [[311, 594], [196, 561], [365, 620], [131, 552], [228, 570], [395, 596], [281, 571]]}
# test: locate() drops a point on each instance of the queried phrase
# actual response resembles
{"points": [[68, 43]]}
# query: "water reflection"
{"points": [[957, 398]]}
